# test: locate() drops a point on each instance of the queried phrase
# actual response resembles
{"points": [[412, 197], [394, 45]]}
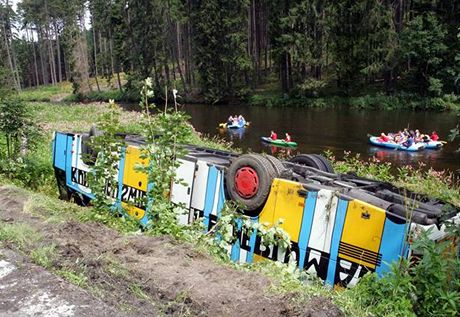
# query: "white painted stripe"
{"points": [[323, 221], [199, 186], [243, 256]]}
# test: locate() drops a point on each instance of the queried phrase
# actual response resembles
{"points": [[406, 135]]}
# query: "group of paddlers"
{"points": [[236, 120], [408, 137], [274, 136]]}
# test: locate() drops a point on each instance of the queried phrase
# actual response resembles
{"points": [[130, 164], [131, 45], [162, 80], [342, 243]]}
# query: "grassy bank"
{"points": [[266, 96]]}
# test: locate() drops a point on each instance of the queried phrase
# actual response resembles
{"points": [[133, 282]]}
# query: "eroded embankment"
{"points": [[141, 275]]}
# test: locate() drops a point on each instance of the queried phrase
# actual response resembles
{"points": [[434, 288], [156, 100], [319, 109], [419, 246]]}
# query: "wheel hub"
{"points": [[246, 182]]}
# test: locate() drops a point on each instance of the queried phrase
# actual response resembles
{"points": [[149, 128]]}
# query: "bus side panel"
{"points": [[79, 169], [321, 217], [362, 234], [214, 196], [289, 207], [341, 213], [134, 185], [181, 191], [393, 244], [60, 150], [199, 187]]}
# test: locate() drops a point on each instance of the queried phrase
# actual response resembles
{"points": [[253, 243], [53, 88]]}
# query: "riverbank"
{"points": [[267, 98], [371, 101]]}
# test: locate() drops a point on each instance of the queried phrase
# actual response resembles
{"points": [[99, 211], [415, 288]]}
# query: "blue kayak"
{"points": [[391, 145]]}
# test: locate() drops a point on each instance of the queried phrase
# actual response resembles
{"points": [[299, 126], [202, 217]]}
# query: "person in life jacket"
{"points": [[434, 136], [384, 138], [230, 120], [287, 138], [273, 135]]}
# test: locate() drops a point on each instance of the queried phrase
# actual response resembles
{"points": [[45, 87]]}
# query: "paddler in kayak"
{"points": [[273, 135], [230, 120], [384, 138], [288, 138], [434, 136]]}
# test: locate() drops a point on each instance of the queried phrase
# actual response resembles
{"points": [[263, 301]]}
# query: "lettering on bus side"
{"points": [[80, 177], [133, 195]]}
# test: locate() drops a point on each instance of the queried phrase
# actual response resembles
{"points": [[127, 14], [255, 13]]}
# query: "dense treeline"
{"points": [[226, 49]]}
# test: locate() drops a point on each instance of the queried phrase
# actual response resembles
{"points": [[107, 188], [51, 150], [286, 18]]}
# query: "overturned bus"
{"points": [[340, 225]]}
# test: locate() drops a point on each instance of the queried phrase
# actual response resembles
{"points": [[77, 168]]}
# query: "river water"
{"points": [[334, 129]]}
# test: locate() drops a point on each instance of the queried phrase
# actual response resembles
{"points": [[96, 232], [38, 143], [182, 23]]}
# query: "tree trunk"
{"points": [[95, 55], [58, 47]]}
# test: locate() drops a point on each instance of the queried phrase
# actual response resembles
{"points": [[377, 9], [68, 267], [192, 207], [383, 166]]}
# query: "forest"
{"points": [[223, 50]]}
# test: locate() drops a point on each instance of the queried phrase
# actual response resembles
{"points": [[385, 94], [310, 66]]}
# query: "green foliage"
{"points": [[20, 234], [43, 256], [164, 133], [77, 278], [423, 44], [438, 184], [45, 92], [107, 148], [221, 45], [427, 285], [17, 127], [224, 232], [388, 296]]}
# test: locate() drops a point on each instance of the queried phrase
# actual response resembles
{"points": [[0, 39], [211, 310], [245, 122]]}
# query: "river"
{"points": [[335, 129]]}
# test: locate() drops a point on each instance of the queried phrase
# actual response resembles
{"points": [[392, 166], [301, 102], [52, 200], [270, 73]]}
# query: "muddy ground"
{"points": [[130, 275]]}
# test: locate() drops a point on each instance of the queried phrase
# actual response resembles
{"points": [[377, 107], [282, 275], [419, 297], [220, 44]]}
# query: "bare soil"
{"points": [[138, 275]]}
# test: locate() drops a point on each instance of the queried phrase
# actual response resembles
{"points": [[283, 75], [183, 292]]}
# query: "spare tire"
{"points": [[309, 160], [248, 180], [327, 165]]}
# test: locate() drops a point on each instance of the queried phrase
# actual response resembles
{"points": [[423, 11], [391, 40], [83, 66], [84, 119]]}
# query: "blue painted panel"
{"points": [[210, 194], [235, 254], [307, 222], [391, 245], [252, 243], [60, 151], [335, 240], [68, 163]]}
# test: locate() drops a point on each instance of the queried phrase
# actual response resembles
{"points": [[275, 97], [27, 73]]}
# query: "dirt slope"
{"points": [[147, 276]]}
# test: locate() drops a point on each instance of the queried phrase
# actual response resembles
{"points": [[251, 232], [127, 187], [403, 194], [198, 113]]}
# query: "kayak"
{"points": [[278, 142], [238, 125], [391, 145], [432, 145]]}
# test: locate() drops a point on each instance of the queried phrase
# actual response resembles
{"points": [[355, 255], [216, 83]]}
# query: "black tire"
{"points": [[64, 192], [327, 165], [79, 199], [308, 160], [255, 168], [276, 164]]}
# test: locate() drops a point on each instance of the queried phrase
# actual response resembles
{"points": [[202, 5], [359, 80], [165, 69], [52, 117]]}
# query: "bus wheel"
{"points": [[312, 160], [249, 179]]}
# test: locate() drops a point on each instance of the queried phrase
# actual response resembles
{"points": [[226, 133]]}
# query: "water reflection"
{"points": [[428, 157], [279, 151]]}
